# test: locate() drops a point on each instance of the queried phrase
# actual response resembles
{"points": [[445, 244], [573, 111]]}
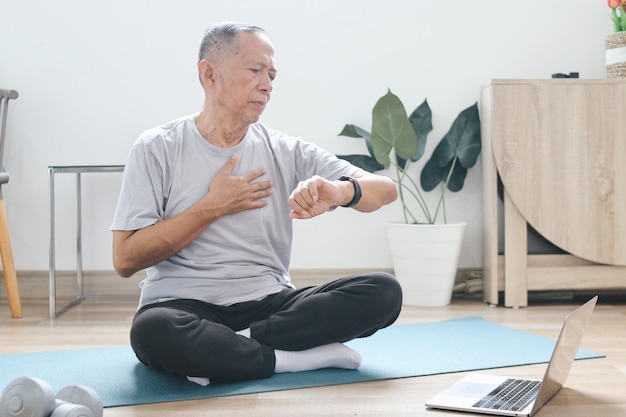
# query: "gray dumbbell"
{"points": [[27, 397], [33, 397], [77, 401]]}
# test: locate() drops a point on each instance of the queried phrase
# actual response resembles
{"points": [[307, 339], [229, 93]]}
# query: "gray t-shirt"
{"points": [[240, 257]]}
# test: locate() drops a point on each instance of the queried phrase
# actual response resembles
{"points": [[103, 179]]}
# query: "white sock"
{"points": [[334, 355], [199, 380], [244, 332]]}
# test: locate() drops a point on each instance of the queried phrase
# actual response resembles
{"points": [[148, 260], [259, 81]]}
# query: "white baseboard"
{"points": [[34, 285]]}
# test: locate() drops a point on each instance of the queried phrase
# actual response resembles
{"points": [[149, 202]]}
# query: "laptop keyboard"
{"points": [[511, 395]]}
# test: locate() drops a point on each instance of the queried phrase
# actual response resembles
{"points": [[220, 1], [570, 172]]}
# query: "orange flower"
{"points": [[618, 14]]}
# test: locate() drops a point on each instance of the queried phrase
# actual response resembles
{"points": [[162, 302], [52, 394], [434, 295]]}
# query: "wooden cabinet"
{"points": [[559, 147]]}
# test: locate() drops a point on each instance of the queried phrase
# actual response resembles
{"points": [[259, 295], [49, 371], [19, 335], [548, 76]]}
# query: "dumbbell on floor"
{"points": [[75, 401], [33, 397]]}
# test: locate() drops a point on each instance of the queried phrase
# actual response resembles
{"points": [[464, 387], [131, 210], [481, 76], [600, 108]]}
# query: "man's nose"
{"points": [[267, 84]]}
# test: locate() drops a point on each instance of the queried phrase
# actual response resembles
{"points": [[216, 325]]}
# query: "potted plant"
{"points": [[616, 42], [397, 140]]}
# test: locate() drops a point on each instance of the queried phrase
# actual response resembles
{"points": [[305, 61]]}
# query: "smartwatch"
{"points": [[357, 191]]}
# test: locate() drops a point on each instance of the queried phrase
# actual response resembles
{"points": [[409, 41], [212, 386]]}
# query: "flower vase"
{"points": [[616, 55]]}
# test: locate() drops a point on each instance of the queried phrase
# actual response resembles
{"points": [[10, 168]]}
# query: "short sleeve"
{"points": [[143, 196]]}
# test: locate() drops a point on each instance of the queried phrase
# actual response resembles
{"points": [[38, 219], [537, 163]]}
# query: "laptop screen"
{"points": [[564, 352]]}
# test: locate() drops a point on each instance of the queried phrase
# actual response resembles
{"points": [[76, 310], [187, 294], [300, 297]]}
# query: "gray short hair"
{"points": [[220, 40]]}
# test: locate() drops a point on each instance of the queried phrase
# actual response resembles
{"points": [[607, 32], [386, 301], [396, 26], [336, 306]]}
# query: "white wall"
{"points": [[93, 75]]}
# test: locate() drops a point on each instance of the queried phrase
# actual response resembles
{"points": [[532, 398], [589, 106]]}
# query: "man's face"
{"points": [[244, 81]]}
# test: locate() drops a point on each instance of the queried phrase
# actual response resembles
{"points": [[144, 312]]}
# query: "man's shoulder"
{"points": [[167, 132]]}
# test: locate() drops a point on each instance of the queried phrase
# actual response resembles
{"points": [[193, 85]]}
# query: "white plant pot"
{"points": [[425, 259]]}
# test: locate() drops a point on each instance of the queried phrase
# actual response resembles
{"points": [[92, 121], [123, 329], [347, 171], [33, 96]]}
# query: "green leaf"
{"points": [[431, 175], [470, 144], [354, 131], [364, 162], [391, 129], [457, 179], [422, 123], [401, 162], [462, 142]]}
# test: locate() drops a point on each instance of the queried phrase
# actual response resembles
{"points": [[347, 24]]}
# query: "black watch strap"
{"points": [[357, 191]]}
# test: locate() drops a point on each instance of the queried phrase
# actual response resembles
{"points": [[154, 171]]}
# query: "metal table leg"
{"points": [[77, 170]]}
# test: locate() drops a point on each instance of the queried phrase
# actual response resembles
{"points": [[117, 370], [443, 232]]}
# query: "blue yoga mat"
{"points": [[398, 351]]}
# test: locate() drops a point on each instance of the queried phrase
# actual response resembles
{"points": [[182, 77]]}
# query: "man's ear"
{"points": [[206, 72]]}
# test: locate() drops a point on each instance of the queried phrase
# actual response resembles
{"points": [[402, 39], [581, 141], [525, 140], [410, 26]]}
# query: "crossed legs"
{"points": [[293, 330]]}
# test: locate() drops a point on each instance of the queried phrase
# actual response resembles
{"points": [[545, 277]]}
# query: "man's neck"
{"points": [[220, 133]]}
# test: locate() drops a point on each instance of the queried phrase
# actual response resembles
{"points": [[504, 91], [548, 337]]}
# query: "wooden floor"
{"points": [[595, 387]]}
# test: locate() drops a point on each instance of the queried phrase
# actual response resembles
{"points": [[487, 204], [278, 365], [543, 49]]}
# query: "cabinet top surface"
{"points": [[538, 81]]}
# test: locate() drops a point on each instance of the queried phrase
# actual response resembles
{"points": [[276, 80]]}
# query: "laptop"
{"points": [[508, 396]]}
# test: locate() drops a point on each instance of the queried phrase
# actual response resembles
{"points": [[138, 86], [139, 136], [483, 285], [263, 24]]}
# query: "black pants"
{"points": [[193, 338]]}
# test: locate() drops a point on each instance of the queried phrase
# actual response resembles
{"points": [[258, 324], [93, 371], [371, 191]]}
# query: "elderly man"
{"points": [[206, 207]]}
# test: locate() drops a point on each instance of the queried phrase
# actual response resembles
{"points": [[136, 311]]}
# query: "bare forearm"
{"points": [[377, 191], [137, 250]]}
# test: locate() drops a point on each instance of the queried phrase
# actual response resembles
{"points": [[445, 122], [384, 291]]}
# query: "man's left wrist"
{"points": [[357, 191]]}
